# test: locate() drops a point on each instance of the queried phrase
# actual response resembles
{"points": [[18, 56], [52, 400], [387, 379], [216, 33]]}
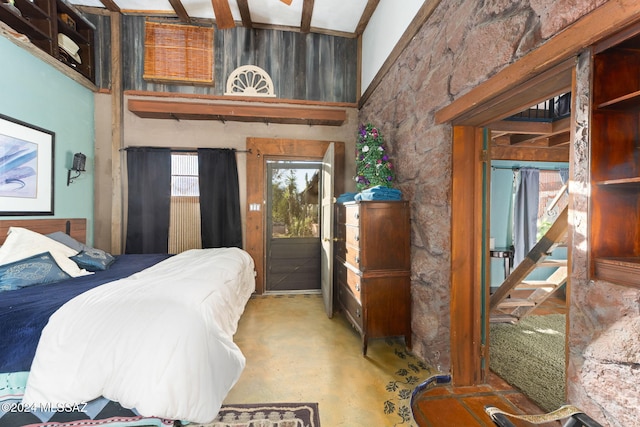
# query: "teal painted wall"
{"points": [[35, 92], [502, 214]]}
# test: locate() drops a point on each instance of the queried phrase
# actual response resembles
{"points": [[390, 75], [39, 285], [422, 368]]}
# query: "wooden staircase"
{"points": [[504, 308]]}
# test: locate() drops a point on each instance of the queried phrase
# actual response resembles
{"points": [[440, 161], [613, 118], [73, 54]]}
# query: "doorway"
{"points": [[293, 226], [260, 151], [527, 266]]}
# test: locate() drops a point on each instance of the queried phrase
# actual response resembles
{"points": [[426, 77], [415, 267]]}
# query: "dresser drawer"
{"points": [[352, 235], [352, 215], [352, 246], [351, 306], [354, 283], [350, 279]]}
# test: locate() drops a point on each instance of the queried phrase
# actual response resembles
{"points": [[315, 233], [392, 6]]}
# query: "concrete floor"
{"points": [[295, 353]]}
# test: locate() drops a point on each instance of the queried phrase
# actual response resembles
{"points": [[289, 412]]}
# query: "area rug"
{"points": [[104, 413], [530, 356], [268, 415]]}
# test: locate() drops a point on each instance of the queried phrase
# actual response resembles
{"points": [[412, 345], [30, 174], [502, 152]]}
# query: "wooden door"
{"points": [[326, 229]]}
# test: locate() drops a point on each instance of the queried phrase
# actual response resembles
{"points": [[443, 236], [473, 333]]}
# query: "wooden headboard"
{"points": [[75, 227]]}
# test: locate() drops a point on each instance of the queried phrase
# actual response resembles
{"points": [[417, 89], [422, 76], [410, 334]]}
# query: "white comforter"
{"points": [[159, 341]]}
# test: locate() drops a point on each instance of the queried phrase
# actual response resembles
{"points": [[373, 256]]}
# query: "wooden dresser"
{"points": [[373, 266]]}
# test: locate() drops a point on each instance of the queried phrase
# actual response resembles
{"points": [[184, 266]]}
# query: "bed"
{"points": [[153, 333]]}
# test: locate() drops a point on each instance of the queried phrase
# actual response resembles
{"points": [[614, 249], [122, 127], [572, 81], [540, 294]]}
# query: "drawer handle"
{"points": [[358, 314], [358, 259], [358, 287], [356, 215], [357, 238]]}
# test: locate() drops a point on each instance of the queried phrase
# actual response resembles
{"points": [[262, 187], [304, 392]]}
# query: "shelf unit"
{"points": [[615, 163], [41, 22]]}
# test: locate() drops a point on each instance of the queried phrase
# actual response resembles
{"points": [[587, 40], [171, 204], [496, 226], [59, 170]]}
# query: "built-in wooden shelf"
{"points": [[40, 22], [626, 102], [22, 23], [614, 217], [178, 110], [631, 183], [625, 271]]}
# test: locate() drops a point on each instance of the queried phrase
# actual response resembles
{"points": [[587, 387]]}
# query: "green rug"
{"points": [[530, 356]]}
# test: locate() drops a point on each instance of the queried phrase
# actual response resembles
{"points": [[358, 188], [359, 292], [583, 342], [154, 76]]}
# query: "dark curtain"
{"points": [[219, 198], [149, 200]]}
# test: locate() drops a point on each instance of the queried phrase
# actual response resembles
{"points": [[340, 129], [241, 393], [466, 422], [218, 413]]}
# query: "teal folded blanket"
{"points": [[379, 193], [346, 197]]}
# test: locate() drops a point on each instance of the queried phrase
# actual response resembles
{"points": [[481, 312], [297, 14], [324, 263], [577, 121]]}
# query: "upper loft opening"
{"points": [[556, 108]]}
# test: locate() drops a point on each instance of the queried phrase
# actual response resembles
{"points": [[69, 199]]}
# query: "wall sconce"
{"points": [[79, 160]]}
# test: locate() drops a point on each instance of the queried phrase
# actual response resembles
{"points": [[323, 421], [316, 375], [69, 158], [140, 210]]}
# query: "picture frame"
{"points": [[26, 168]]}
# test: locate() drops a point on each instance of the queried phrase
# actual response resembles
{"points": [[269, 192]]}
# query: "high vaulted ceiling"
{"points": [[346, 18]]}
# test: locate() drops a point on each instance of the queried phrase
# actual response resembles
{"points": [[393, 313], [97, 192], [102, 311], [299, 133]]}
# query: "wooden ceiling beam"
{"points": [[307, 12], [516, 126], [531, 154], [528, 140], [366, 16], [223, 16], [560, 126], [245, 14], [535, 141], [503, 139], [178, 7], [239, 113], [110, 5], [560, 139]]}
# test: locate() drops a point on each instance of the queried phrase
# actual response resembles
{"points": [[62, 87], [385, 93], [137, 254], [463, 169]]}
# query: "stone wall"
{"points": [[463, 44]]}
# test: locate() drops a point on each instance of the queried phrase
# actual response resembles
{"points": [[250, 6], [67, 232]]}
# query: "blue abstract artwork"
{"points": [[18, 167]]}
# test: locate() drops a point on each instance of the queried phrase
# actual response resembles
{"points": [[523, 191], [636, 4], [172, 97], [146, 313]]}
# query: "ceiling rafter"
{"points": [[178, 7], [110, 5], [307, 12], [366, 16], [223, 16], [245, 14]]}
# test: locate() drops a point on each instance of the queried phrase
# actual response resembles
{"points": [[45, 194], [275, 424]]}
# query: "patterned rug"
{"points": [[104, 413], [401, 387], [268, 415]]}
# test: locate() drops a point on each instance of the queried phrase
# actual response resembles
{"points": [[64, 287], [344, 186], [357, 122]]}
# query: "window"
{"points": [[553, 199], [184, 227], [178, 53]]}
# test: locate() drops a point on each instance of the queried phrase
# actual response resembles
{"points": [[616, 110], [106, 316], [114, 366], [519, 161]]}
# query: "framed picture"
{"points": [[26, 168]]}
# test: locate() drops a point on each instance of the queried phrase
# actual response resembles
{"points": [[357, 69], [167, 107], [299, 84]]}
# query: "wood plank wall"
{"points": [[102, 46], [314, 67]]}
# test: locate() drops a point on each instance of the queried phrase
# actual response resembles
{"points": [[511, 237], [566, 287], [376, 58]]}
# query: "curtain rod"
{"points": [[515, 168], [192, 150]]}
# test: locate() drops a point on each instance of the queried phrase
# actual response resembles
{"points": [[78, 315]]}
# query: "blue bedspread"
{"points": [[25, 312]]}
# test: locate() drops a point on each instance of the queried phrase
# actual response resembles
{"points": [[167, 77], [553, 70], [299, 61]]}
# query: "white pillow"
{"points": [[22, 243]]}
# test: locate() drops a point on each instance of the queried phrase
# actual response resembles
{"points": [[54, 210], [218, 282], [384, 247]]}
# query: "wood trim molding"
{"points": [[466, 267], [590, 29], [245, 99], [234, 112], [117, 136]]}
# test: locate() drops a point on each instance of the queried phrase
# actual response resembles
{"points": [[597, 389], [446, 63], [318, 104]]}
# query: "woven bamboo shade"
{"points": [[178, 53]]}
